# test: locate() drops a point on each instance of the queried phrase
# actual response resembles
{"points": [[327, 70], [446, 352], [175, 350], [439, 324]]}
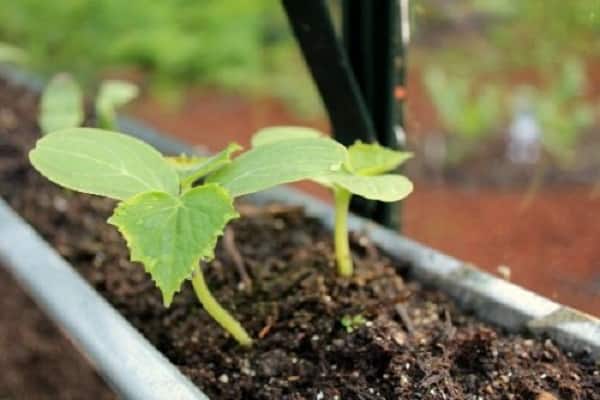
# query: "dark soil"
{"points": [[36, 360], [414, 345]]}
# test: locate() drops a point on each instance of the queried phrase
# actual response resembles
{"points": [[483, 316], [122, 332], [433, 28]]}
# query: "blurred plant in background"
{"points": [[243, 45], [540, 31], [504, 35], [10, 54], [479, 56], [468, 115], [471, 52], [562, 111]]}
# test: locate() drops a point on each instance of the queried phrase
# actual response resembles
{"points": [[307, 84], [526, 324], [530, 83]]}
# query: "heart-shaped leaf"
{"points": [[169, 235], [103, 163]]}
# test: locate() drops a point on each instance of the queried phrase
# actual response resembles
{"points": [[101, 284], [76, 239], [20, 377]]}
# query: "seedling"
{"points": [[470, 115], [112, 95], [352, 322], [169, 221], [562, 111], [363, 173], [62, 104]]}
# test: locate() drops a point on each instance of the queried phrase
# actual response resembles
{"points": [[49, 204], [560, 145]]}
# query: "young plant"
{"points": [[470, 116], [112, 95], [363, 173], [169, 221], [563, 113], [352, 322], [62, 103]]}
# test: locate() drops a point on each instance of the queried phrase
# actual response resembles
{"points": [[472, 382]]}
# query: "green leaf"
{"points": [[170, 235], [388, 188], [103, 163], [12, 54], [61, 105], [194, 172], [278, 133], [280, 162], [352, 322], [112, 95], [374, 159]]}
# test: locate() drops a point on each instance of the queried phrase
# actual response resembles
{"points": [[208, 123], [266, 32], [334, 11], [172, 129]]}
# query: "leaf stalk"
{"points": [[215, 310]]}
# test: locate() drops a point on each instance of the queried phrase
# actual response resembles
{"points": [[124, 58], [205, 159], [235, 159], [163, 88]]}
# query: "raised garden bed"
{"points": [[416, 343]]}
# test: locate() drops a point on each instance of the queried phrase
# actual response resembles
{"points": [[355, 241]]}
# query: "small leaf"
{"points": [[374, 159], [280, 162], [61, 105], [209, 165], [278, 133], [184, 163], [388, 188], [103, 163], [352, 322], [112, 95], [170, 235]]}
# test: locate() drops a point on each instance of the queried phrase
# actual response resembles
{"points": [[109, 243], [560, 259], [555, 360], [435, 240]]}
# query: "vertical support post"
{"points": [[330, 68], [373, 44], [357, 85]]}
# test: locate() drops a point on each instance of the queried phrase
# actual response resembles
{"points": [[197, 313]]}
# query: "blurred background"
{"points": [[502, 107]]}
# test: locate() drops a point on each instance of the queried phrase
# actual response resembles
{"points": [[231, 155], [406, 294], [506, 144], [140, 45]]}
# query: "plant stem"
{"points": [[215, 310], [342, 247]]}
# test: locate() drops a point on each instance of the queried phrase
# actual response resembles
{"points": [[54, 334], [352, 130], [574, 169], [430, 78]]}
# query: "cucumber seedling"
{"points": [[364, 173], [352, 322], [171, 211], [62, 104]]}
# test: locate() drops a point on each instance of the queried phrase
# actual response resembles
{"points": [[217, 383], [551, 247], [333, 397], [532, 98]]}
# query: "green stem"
{"points": [[105, 118], [342, 248], [219, 314]]}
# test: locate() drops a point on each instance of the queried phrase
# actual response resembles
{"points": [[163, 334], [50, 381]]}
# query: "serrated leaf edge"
{"points": [[137, 256]]}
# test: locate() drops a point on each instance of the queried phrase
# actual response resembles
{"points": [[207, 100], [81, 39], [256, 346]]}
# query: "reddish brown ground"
{"points": [[551, 246]]}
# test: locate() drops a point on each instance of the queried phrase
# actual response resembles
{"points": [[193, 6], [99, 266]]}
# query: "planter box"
{"points": [[136, 370]]}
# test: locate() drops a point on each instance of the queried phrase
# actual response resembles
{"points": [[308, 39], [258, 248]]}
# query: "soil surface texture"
{"points": [[36, 360], [375, 336]]}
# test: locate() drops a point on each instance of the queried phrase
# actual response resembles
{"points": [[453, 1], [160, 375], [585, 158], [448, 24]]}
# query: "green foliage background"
{"points": [[243, 45]]}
